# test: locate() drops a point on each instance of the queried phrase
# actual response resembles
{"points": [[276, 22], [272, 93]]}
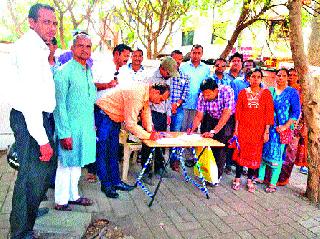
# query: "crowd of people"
{"points": [[67, 113]]}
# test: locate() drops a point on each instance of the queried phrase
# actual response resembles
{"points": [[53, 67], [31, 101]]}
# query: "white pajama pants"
{"points": [[66, 184]]}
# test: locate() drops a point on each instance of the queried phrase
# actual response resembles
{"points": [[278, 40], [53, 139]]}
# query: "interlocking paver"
{"points": [[316, 230], [187, 226], [241, 226], [159, 232], [195, 234], [219, 211], [303, 230], [309, 223], [4, 221], [182, 211], [172, 231], [221, 225], [256, 233], [245, 235], [210, 228], [234, 219]]}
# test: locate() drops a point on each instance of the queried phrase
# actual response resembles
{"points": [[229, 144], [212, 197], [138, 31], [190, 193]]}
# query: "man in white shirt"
{"points": [[31, 118], [134, 71], [105, 77]]}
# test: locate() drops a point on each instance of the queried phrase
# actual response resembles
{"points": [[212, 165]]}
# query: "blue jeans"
{"points": [[176, 120], [107, 150]]}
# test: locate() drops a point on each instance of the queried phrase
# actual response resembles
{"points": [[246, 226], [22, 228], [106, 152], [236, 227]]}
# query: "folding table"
{"points": [[177, 141]]}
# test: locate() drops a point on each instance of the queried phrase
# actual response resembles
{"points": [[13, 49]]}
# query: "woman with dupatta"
{"points": [[296, 152], [287, 111]]}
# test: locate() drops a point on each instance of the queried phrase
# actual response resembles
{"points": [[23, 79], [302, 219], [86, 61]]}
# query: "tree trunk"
{"points": [[241, 24], [311, 104], [314, 43], [61, 31], [230, 44], [149, 49]]}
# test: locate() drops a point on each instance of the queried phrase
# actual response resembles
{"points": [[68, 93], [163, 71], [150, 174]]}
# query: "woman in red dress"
{"points": [[254, 115]]}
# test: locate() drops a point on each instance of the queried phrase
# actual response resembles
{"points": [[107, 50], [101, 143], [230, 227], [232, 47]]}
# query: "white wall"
{"points": [[6, 136]]}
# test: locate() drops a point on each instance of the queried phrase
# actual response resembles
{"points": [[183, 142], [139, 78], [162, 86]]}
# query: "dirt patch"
{"points": [[103, 228]]}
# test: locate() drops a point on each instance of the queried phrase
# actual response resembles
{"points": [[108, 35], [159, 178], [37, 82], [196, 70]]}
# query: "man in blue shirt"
{"points": [[219, 75], [234, 78], [197, 71], [241, 83]]}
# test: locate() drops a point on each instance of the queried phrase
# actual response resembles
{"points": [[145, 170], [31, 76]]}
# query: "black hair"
{"points": [[283, 69], [54, 41], [163, 88], [220, 59], [197, 46], [251, 71], [253, 63], [34, 10], [120, 48], [292, 69], [208, 84], [78, 32], [178, 52], [138, 49], [237, 54]]}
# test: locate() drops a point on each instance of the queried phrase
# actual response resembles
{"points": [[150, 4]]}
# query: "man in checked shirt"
{"points": [[219, 105], [179, 90]]}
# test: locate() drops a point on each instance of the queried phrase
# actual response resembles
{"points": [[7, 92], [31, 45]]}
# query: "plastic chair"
{"points": [[128, 148]]}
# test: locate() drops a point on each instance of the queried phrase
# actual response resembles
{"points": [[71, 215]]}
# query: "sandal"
{"points": [[257, 180], [271, 189], [82, 202], [236, 184], [250, 186], [64, 207]]}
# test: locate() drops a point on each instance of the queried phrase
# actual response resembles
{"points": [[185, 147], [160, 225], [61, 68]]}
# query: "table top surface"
{"points": [[181, 139]]}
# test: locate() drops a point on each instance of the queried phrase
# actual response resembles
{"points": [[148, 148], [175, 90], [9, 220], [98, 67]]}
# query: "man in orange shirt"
{"points": [[123, 104]]}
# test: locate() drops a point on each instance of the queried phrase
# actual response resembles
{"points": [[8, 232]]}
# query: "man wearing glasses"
{"points": [[31, 118], [219, 71]]}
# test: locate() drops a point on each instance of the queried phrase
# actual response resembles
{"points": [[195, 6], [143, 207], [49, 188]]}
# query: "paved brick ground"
{"points": [[181, 211]]}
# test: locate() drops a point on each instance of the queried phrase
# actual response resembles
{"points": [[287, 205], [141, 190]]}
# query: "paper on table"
{"points": [[180, 139], [169, 141], [190, 137]]}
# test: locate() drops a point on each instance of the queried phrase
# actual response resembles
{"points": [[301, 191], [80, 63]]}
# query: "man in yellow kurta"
{"points": [[75, 95]]}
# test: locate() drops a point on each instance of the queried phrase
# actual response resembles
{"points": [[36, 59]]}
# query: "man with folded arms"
{"points": [[123, 104]]}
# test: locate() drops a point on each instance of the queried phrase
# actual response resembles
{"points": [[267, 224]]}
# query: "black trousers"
{"points": [[239, 171], [34, 176], [160, 124], [220, 154]]}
